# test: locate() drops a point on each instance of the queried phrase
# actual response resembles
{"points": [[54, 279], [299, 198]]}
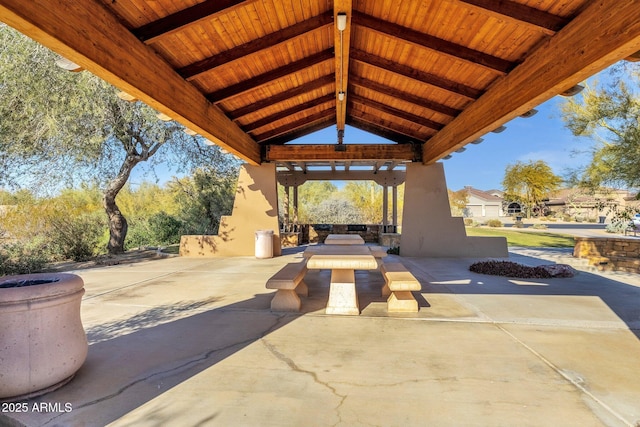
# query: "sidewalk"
{"points": [[192, 342]]}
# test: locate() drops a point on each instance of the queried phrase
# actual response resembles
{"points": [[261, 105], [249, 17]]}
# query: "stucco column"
{"points": [[428, 229], [255, 207]]}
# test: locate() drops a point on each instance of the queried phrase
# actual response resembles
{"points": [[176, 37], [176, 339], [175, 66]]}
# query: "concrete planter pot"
{"points": [[42, 340]]}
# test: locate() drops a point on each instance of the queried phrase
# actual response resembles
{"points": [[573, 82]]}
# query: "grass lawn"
{"points": [[525, 238]]}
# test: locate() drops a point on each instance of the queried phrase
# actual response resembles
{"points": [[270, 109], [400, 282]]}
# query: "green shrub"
{"points": [[539, 226], [494, 223], [469, 222], [394, 250], [157, 230], [617, 226], [77, 238], [23, 257]]}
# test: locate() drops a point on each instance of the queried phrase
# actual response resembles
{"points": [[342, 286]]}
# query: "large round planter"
{"points": [[42, 341]]}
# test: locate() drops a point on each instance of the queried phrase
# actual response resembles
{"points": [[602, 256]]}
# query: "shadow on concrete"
{"points": [[620, 297], [130, 362]]}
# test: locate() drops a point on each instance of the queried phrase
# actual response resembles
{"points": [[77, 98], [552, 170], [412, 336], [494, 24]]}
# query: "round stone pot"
{"points": [[42, 341]]}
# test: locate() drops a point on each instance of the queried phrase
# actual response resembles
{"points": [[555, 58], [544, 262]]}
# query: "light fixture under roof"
{"points": [[68, 65], [341, 21], [340, 96], [573, 90]]}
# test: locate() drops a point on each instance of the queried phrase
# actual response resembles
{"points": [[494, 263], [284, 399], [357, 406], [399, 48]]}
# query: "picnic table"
{"points": [[344, 239], [342, 260]]}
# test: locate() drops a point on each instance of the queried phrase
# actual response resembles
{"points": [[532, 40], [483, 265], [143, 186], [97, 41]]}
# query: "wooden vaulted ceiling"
{"points": [[254, 75]]}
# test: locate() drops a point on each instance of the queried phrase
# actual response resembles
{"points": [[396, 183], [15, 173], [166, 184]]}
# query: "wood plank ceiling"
{"points": [[430, 76]]}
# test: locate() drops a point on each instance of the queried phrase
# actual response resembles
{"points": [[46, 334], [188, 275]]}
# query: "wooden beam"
{"points": [[411, 73], [422, 121], [84, 32], [416, 38], [288, 112], [385, 124], [605, 32], [327, 152], [284, 96], [270, 40], [520, 13], [178, 21], [303, 131], [380, 131], [342, 43], [268, 77], [405, 96], [319, 116]]}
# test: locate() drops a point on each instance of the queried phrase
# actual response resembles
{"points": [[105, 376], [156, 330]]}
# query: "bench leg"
{"points": [[302, 289], [402, 302], [342, 293], [285, 300], [385, 289]]}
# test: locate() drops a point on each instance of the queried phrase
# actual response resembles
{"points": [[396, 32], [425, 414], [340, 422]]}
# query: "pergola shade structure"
{"points": [[430, 76]]}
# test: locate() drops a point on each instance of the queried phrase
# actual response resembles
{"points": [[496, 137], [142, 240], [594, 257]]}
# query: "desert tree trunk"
{"points": [[117, 222]]}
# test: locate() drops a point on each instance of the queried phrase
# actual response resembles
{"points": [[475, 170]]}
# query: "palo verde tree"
{"points": [[529, 183], [60, 128], [609, 115]]}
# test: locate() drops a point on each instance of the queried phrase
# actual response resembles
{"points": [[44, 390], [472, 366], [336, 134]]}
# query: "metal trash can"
{"points": [[264, 243]]}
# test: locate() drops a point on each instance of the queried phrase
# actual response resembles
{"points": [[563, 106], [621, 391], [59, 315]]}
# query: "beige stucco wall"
{"points": [[428, 229], [255, 208]]}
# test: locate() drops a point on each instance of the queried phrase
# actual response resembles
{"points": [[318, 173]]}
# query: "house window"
{"points": [[514, 208]]}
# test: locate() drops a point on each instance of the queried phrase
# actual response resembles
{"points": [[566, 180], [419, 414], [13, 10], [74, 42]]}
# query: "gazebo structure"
{"points": [[252, 76]]}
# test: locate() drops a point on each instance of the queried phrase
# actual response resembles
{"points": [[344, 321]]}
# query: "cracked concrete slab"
{"points": [[192, 342]]}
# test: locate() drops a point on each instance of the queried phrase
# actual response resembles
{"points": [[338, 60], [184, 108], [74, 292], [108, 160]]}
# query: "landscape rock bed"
{"points": [[513, 269]]}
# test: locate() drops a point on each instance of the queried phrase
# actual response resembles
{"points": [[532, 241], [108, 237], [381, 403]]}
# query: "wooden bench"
{"points": [[399, 282], [289, 284]]}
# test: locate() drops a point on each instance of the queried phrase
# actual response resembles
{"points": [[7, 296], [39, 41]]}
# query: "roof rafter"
{"points": [[286, 34], [281, 97], [369, 124], [520, 13], [288, 112], [356, 99], [170, 24], [250, 84], [405, 96], [430, 42], [298, 133], [412, 73], [319, 116]]}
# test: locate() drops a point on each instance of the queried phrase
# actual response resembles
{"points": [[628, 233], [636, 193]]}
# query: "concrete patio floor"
{"points": [[192, 342]]}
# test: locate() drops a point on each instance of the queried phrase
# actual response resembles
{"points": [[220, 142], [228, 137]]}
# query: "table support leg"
{"points": [[342, 293]]}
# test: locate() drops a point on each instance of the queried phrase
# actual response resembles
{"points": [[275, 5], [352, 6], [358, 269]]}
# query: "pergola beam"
{"points": [[288, 112], [328, 152], [605, 32], [85, 33], [422, 121]]}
